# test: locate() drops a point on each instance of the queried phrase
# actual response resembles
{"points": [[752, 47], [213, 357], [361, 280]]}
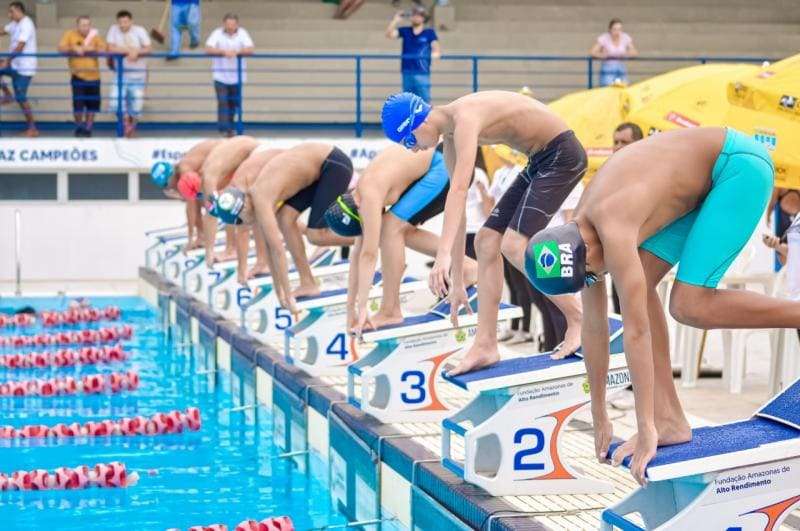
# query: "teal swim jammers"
{"points": [[707, 240]]}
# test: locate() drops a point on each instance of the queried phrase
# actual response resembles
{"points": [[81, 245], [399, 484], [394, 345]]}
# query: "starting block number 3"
{"points": [[416, 390]]}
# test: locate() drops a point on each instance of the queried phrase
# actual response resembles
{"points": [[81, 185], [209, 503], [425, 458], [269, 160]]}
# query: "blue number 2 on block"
{"points": [[419, 376], [337, 347], [536, 449]]}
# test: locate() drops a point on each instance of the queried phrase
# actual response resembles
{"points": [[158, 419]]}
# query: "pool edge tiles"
{"points": [[325, 409]]}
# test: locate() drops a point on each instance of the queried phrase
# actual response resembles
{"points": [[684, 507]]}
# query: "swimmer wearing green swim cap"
{"points": [[691, 197], [557, 162]]}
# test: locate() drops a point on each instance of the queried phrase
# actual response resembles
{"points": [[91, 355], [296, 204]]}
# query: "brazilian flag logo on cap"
{"points": [[548, 263]]}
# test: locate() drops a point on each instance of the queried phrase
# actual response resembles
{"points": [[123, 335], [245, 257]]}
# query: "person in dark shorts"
{"points": [[557, 163], [309, 175], [82, 45], [414, 186]]}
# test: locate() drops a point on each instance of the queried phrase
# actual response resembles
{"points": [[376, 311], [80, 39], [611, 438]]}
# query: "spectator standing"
{"points": [[226, 43], [133, 42], [20, 68], [420, 44], [82, 44], [183, 14], [613, 47]]}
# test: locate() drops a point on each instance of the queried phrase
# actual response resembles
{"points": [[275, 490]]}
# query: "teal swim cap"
{"points": [[161, 172], [342, 217], [402, 113]]}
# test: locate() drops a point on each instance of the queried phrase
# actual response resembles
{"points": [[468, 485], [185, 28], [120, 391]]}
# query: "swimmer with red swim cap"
{"points": [[178, 179], [216, 174], [309, 175], [557, 162]]}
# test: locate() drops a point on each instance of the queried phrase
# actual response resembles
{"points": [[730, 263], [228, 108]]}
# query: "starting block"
{"points": [[198, 279], [324, 326], [259, 310], [399, 376], [511, 429], [176, 261], [159, 241], [739, 476]]}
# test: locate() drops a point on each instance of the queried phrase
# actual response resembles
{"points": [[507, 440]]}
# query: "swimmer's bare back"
{"points": [[289, 172], [503, 117], [247, 172], [650, 183], [193, 159], [392, 171]]}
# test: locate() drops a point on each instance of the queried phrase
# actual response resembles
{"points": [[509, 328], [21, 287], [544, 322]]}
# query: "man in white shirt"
{"points": [[133, 42], [226, 43], [20, 68]]}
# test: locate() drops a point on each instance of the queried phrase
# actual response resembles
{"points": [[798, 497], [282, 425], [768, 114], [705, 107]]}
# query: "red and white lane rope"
{"points": [[159, 424], [89, 384], [103, 475], [109, 334], [70, 316], [278, 523], [64, 357]]}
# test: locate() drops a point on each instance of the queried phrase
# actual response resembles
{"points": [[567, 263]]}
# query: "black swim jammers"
{"points": [[334, 178]]}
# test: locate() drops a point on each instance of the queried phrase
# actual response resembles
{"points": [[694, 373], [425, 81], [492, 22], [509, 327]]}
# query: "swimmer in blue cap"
{"points": [[167, 176], [414, 186], [691, 197], [308, 176], [556, 164]]}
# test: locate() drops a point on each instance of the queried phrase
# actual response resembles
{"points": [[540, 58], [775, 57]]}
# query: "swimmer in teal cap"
{"points": [[556, 164], [691, 197]]}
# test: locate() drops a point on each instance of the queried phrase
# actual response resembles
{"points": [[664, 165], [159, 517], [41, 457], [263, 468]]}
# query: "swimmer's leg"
{"points": [[393, 264], [287, 221], [483, 351], [325, 237], [229, 253]]}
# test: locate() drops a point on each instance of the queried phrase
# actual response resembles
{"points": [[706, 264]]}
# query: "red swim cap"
{"points": [[189, 185]]}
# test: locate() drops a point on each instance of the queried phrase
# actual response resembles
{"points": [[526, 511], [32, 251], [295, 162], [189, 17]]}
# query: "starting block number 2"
{"points": [[538, 446]]}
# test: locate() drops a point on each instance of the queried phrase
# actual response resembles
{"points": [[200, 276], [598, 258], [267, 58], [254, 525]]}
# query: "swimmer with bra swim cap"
{"points": [[309, 175], [178, 180], [414, 186], [556, 164], [691, 197]]}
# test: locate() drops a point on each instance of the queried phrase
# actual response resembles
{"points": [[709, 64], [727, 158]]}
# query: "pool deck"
{"points": [[409, 453]]}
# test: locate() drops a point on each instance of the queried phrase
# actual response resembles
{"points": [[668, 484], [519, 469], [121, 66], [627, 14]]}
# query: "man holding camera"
{"points": [[420, 44]]}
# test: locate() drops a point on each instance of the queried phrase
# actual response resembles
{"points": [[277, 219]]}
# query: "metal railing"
{"points": [[296, 90]]}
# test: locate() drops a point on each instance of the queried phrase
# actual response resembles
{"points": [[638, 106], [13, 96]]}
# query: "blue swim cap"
{"points": [[227, 205], [402, 113], [555, 260], [161, 172]]}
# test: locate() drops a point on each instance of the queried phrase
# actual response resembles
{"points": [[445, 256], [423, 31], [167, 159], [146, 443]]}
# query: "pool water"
{"points": [[227, 472]]}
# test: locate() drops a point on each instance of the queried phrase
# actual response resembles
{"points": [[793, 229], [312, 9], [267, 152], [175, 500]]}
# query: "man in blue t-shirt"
{"points": [[419, 45]]}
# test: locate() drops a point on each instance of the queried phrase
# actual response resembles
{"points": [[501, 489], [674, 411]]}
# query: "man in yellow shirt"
{"points": [[82, 45]]}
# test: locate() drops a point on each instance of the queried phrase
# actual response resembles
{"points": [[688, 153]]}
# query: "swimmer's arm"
{"points": [[621, 256], [265, 215], [242, 248], [371, 210], [209, 237], [191, 220], [594, 342], [460, 158], [352, 282], [459, 251]]}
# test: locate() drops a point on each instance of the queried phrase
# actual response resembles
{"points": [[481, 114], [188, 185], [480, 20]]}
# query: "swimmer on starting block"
{"points": [[176, 181], [557, 163], [312, 175], [691, 197], [246, 174], [414, 185], [216, 174]]}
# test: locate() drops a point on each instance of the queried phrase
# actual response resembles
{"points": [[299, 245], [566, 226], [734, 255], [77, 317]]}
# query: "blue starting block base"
{"points": [[738, 476], [511, 431]]}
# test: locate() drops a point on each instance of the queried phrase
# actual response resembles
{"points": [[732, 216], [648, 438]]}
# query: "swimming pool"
{"points": [[229, 471]]}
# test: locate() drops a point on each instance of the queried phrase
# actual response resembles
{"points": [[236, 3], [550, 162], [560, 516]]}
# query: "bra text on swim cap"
{"points": [[553, 260]]}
